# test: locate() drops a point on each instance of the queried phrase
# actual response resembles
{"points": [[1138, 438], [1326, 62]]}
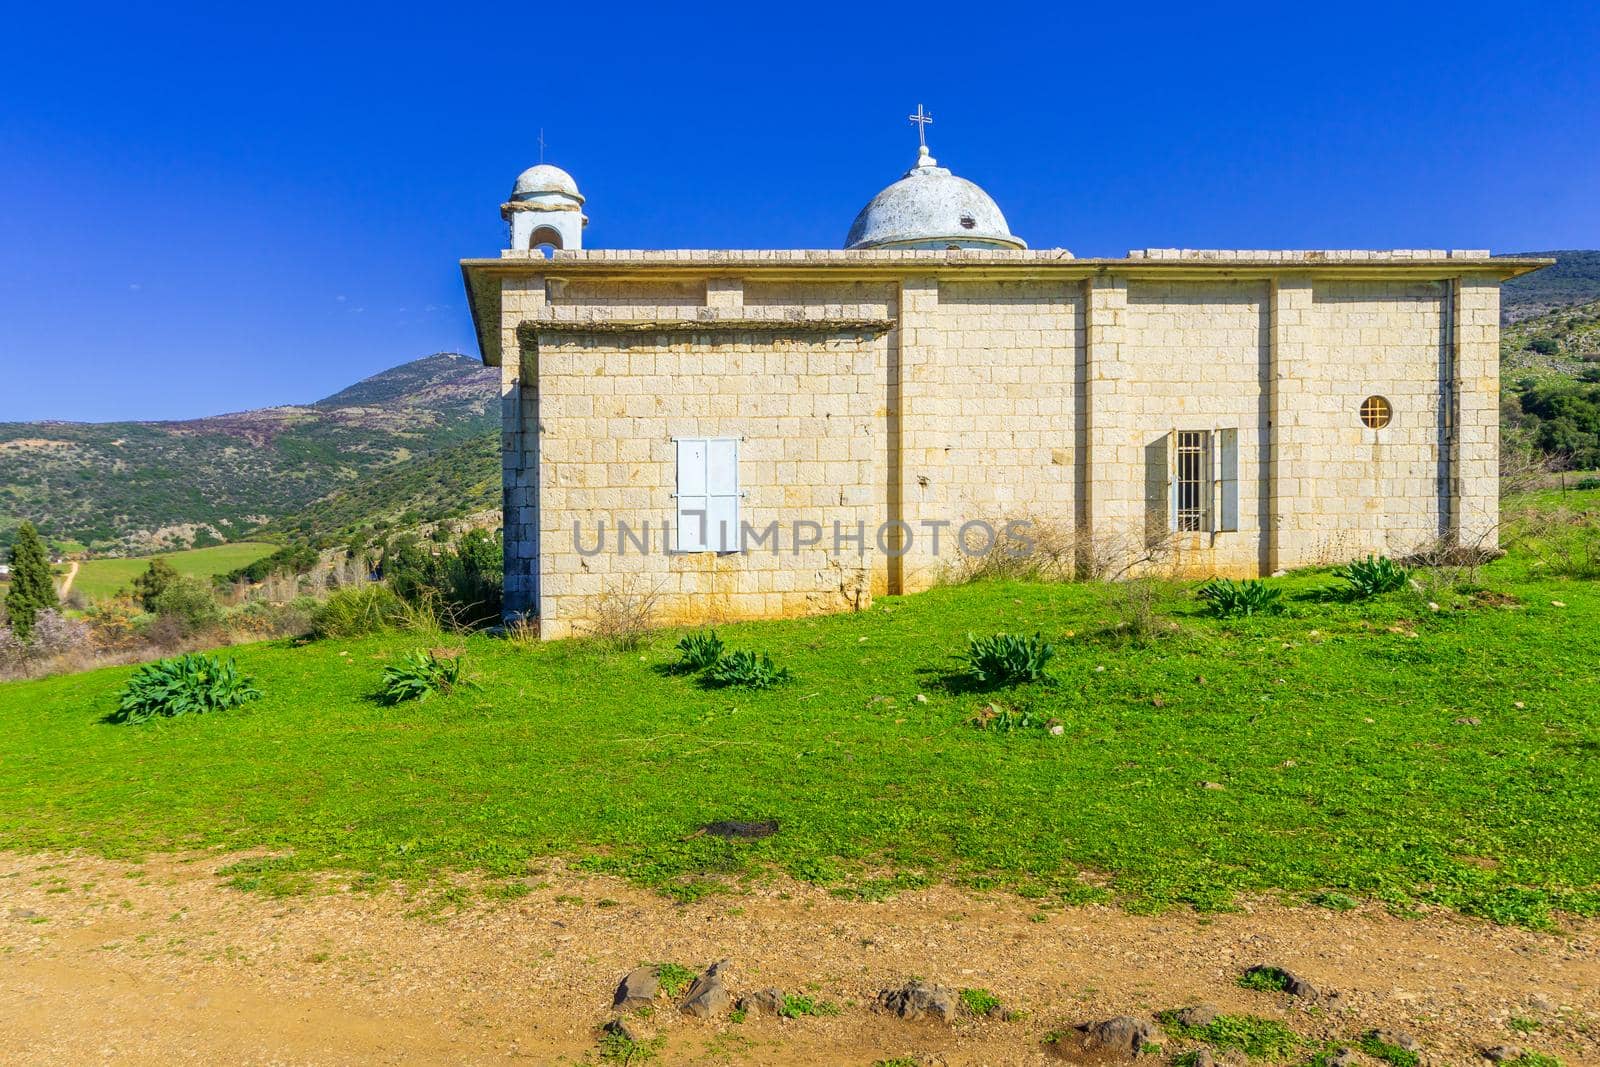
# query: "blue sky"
{"points": [[207, 210]]}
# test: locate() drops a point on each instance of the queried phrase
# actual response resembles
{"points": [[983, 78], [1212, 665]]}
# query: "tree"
{"points": [[33, 587], [149, 586]]}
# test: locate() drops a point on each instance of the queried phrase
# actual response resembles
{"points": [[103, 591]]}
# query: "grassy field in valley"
{"points": [[99, 578], [1369, 751]]}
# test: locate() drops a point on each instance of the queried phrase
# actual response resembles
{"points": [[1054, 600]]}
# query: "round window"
{"points": [[1376, 413]]}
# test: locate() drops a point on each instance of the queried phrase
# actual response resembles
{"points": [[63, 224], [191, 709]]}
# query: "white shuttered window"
{"points": [[708, 494], [1203, 481]]}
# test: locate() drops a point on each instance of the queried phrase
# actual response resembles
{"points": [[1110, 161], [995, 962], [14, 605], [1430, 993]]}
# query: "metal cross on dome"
{"points": [[541, 144], [921, 120]]}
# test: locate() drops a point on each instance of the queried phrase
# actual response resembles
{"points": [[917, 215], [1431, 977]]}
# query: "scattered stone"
{"points": [[1540, 1002], [1198, 1015], [1056, 729], [1344, 1057], [1558, 603], [762, 1002], [1502, 1053], [1433, 606], [1123, 1034], [24, 913], [1518, 704], [1203, 1058], [1212, 785], [919, 1000], [638, 988], [1470, 720], [709, 995], [1291, 983], [922, 698], [741, 830], [1398, 1038]]}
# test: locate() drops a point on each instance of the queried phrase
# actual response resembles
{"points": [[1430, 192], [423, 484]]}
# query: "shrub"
{"points": [[980, 1001], [623, 614], [358, 610], [1001, 719], [153, 582], [1007, 659], [1545, 346], [461, 584], [699, 651], [1587, 482], [186, 685], [190, 602], [291, 559], [1370, 577], [1228, 599], [421, 674], [746, 670]]}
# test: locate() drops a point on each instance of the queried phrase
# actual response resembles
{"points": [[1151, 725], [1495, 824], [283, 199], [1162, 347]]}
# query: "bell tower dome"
{"points": [[545, 210]]}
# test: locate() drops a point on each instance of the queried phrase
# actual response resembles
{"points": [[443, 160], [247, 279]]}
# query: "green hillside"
{"points": [[452, 483], [143, 486], [1564, 342], [1575, 279]]}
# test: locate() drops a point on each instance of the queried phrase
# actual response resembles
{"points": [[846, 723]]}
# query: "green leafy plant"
{"points": [[796, 1005], [747, 670], [1250, 1034], [1002, 719], [1228, 599], [699, 651], [419, 675], [1265, 979], [1008, 659], [185, 685], [1384, 1052], [673, 978], [1370, 577], [980, 1001]]}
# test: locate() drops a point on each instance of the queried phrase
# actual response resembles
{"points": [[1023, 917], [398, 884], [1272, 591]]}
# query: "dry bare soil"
{"points": [[158, 962]]}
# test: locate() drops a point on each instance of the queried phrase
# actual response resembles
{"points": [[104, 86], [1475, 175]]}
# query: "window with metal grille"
{"points": [[1376, 413], [1192, 479]]}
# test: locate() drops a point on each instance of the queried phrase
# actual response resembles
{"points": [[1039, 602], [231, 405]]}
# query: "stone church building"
{"points": [[745, 434]]}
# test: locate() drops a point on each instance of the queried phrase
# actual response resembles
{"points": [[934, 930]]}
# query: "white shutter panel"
{"points": [[693, 510], [1172, 481], [1228, 479], [722, 494]]}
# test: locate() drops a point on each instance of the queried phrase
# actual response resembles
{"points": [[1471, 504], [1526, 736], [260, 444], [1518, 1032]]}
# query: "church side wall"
{"points": [[808, 410], [1196, 358], [988, 396], [1342, 489]]}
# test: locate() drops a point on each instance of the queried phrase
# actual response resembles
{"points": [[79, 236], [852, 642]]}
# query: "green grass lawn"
{"points": [[1332, 731], [99, 578]]}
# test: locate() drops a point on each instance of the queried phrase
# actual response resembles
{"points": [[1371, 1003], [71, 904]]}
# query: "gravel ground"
{"points": [[160, 963]]}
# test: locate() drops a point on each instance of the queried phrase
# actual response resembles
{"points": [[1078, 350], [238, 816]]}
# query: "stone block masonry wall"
{"points": [[1340, 488], [988, 391], [907, 389], [1197, 359]]}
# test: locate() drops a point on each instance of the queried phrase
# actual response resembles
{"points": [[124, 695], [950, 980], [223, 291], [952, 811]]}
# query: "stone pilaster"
{"points": [[1112, 505], [1475, 397], [914, 395], [519, 448], [1291, 477]]}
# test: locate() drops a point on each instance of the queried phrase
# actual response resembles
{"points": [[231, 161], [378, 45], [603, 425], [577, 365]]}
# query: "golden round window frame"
{"points": [[1376, 412]]}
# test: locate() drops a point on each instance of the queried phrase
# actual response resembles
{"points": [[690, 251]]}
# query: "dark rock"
{"points": [[1502, 1053], [1199, 1015], [919, 1000], [1203, 1058], [1123, 1034], [24, 913], [762, 1002], [1292, 983], [735, 829], [637, 988], [709, 994], [1344, 1057]]}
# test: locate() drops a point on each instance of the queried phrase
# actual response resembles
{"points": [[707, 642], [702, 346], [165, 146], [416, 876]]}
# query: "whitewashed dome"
{"points": [[931, 208], [543, 180]]}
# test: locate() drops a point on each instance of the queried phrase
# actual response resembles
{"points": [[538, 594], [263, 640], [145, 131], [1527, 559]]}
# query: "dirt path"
{"points": [[66, 583], [158, 963]]}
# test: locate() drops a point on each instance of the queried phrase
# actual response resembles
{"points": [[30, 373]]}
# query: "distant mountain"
{"points": [[1575, 279], [137, 486]]}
